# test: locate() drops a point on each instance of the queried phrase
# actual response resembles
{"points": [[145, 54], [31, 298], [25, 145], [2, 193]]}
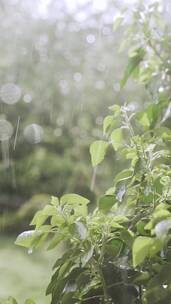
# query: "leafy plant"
{"points": [[121, 251]]}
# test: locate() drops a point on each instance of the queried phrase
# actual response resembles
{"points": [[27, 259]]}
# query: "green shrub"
{"points": [[120, 252]]}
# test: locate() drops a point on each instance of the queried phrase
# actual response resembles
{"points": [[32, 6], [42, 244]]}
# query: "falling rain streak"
{"points": [[6, 131], [16, 133]]}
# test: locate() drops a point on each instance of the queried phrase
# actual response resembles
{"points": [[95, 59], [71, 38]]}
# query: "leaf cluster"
{"points": [[121, 251]]}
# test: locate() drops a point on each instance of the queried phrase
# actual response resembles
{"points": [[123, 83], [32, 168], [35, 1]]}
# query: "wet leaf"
{"points": [[117, 139], [132, 65], [98, 150], [106, 202], [73, 199]]}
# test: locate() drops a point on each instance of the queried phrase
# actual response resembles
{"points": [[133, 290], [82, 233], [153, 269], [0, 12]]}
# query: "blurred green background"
{"points": [[59, 71]]}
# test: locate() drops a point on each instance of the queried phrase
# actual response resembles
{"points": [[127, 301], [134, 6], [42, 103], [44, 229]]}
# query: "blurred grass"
{"points": [[24, 275]]}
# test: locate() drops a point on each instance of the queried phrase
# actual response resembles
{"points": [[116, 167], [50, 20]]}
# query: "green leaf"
{"points": [[29, 301], [61, 235], [140, 249], [41, 216], [97, 151], [144, 120], [26, 238], [142, 277], [117, 23], [120, 219], [106, 202], [114, 247], [157, 216], [140, 225], [38, 219], [161, 214], [33, 238], [87, 256], [116, 109], [110, 191], [144, 247], [117, 139], [132, 65], [123, 175], [149, 117], [69, 298], [74, 199], [115, 225], [155, 292], [54, 201], [107, 123], [156, 246], [127, 236], [57, 219]]}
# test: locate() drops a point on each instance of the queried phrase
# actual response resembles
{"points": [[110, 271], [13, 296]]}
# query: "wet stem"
{"points": [[148, 165]]}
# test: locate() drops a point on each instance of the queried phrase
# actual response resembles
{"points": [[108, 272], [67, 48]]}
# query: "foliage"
{"points": [[120, 252]]}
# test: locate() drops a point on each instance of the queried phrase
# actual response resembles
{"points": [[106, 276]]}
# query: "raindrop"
{"points": [[6, 130], [33, 133], [99, 85], [64, 88], [77, 77], [161, 89], [10, 93], [30, 251], [60, 121], [154, 74], [131, 107], [101, 67], [58, 132], [106, 31], [81, 16], [27, 98], [90, 38]]}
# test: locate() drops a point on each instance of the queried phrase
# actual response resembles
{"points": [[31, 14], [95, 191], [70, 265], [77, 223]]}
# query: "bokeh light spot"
{"points": [[6, 130], [33, 133], [10, 93]]}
